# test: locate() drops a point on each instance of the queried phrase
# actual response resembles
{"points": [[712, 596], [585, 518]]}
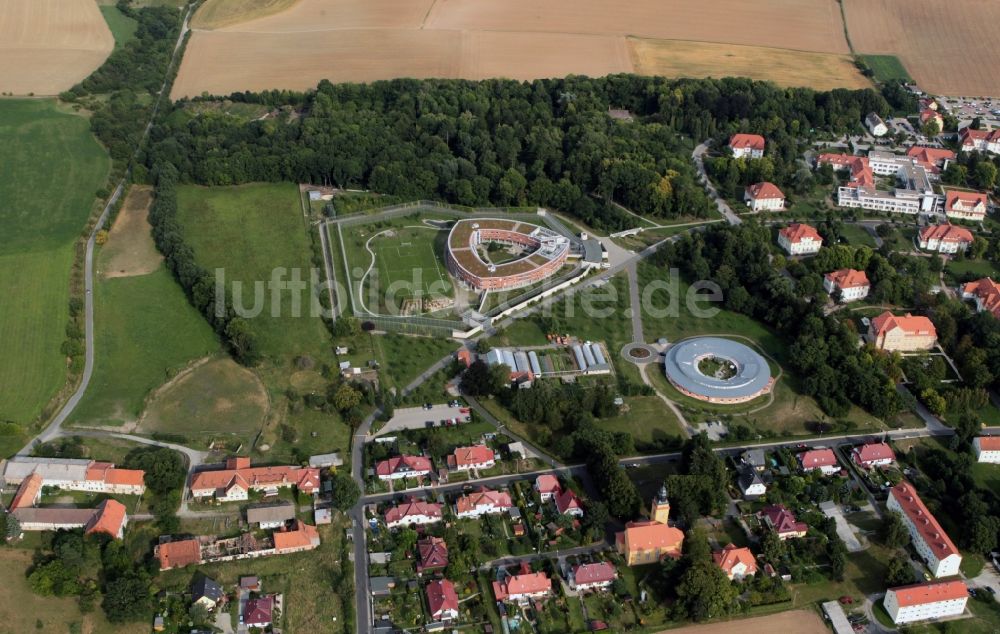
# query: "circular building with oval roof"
{"points": [[538, 253], [717, 370]]}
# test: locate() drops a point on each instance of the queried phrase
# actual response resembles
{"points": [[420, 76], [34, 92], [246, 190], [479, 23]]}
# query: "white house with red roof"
{"points": [[966, 205], [986, 294], [747, 145], [483, 502], [737, 563], [547, 486], [764, 196], [904, 333], [970, 140], [475, 457], [944, 238], [258, 612], [926, 601], [850, 283], [568, 504], [783, 522], [413, 511], [442, 600], [987, 449], [873, 454], [800, 239], [929, 539], [823, 459], [598, 576], [399, 467], [523, 586]]}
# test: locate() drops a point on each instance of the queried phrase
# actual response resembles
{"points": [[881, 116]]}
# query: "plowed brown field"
{"points": [[366, 40], [948, 47], [47, 46]]}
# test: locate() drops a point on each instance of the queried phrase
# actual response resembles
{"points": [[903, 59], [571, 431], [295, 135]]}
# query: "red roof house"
{"points": [[930, 158], [986, 293], [301, 537], [929, 539], [110, 518], [823, 459], [482, 502], [904, 333], [178, 554], [875, 454], [547, 486], [413, 512], [475, 457], [783, 522], [735, 562], [29, 490], [799, 239], [966, 205], [568, 504], [747, 145], [764, 196], [258, 612], [403, 467], [522, 586], [442, 600], [432, 553], [594, 576]]}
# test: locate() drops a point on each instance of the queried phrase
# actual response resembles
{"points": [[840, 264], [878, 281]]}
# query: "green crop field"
{"points": [[51, 167], [145, 331], [122, 27], [410, 264], [252, 232], [887, 67]]}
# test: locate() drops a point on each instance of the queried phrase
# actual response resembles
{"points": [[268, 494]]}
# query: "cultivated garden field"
{"points": [[50, 170]]}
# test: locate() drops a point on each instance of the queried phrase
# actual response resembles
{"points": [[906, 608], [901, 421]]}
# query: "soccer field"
{"points": [[410, 265]]}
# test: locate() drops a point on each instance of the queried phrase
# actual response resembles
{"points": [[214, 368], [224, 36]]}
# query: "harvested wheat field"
{"points": [[798, 621], [367, 40], [949, 47], [47, 46], [676, 58], [130, 250]]}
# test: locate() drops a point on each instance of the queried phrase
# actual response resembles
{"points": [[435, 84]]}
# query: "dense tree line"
{"points": [[165, 474], [697, 489], [129, 77], [499, 142], [824, 350]]}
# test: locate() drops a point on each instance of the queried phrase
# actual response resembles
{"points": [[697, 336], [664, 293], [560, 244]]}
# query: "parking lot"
{"points": [[418, 417], [844, 530]]}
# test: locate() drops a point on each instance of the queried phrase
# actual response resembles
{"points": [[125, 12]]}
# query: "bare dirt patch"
{"points": [[798, 621], [216, 397], [676, 58], [130, 250], [948, 47], [47, 46], [367, 40]]}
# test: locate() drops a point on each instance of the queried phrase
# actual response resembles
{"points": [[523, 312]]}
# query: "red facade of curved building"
{"points": [[465, 263]]}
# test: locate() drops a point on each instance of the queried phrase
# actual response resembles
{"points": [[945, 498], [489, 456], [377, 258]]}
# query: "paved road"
{"points": [[560, 554], [699, 163], [54, 428], [638, 334]]}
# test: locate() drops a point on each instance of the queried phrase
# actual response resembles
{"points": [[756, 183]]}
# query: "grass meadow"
{"points": [[122, 27], [250, 231], [145, 332], [887, 67], [51, 167]]}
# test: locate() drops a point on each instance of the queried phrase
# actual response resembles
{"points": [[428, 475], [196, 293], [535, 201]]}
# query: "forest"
{"points": [[497, 142]]}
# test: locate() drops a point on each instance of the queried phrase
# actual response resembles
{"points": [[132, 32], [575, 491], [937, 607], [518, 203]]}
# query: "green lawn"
{"points": [[648, 420], [51, 167], [254, 233], [887, 67], [122, 27], [146, 331], [857, 236], [965, 268]]}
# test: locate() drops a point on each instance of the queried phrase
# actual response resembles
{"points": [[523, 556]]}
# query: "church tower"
{"points": [[660, 510]]}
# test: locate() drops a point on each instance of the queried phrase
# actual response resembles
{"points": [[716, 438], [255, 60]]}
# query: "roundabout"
{"points": [[717, 370]]}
